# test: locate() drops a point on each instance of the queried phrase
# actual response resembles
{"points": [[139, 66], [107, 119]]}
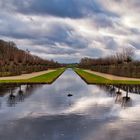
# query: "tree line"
{"points": [[121, 64], [14, 61]]}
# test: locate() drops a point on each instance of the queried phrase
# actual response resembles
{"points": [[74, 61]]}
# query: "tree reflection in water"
{"points": [[124, 98], [18, 94]]}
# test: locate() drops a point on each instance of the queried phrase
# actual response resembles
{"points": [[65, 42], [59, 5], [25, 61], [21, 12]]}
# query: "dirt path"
{"points": [[26, 76], [112, 77]]}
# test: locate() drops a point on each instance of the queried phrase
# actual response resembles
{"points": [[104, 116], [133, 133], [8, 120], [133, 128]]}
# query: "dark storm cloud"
{"points": [[135, 31], [58, 33], [110, 42], [103, 21], [11, 26], [54, 50], [67, 30], [93, 51], [62, 33], [59, 8], [136, 44]]}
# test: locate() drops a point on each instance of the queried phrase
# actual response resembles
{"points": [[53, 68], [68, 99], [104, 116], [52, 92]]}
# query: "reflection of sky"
{"points": [[49, 113]]}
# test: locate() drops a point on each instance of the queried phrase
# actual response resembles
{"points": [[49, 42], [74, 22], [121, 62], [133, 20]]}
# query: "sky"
{"points": [[68, 30]]}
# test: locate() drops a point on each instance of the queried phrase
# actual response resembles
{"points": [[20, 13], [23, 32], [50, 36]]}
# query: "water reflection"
{"points": [[17, 93], [40, 112], [121, 93]]}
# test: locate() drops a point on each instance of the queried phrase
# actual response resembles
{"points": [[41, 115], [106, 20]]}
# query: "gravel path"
{"points": [[112, 77], [26, 76]]}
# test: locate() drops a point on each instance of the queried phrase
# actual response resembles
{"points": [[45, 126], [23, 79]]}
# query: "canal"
{"points": [[46, 112]]}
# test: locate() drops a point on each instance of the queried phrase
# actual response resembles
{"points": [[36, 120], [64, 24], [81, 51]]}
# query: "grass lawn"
{"points": [[45, 78], [95, 79]]}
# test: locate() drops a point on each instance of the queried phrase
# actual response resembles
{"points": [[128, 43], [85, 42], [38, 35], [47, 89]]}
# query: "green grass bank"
{"points": [[47, 78], [95, 79]]}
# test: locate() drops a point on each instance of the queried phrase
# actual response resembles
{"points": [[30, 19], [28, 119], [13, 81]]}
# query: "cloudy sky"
{"points": [[67, 30]]}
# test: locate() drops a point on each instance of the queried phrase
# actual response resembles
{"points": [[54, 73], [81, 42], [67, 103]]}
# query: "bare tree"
{"points": [[14, 61]]}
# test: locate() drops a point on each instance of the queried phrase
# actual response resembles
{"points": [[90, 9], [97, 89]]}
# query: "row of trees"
{"points": [[14, 61], [121, 64]]}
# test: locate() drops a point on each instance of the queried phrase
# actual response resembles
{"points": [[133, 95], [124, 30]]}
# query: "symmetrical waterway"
{"points": [[46, 112]]}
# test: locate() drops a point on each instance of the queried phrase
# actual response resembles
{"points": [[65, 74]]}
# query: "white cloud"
{"points": [[67, 37]]}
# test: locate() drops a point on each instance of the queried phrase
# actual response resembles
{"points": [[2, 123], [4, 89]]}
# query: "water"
{"points": [[45, 112]]}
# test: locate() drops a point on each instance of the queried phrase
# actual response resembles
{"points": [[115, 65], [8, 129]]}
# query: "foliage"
{"points": [[14, 61], [121, 64]]}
